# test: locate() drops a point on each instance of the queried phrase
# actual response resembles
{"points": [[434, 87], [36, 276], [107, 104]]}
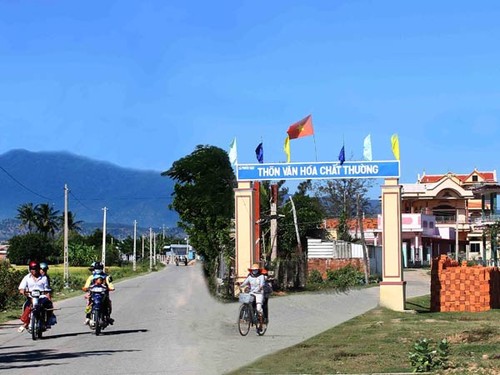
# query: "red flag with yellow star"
{"points": [[301, 128]]}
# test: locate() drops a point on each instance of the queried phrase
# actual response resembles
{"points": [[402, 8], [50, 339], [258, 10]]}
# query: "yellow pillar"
{"points": [[392, 287], [244, 226]]}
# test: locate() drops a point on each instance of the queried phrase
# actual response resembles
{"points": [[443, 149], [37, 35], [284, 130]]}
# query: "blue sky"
{"points": [[141, 83]]}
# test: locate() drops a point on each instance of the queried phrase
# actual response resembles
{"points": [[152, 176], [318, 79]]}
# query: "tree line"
{"points": [[43, 240]]}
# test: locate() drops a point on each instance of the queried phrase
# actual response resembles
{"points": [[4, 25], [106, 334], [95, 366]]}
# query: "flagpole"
{"points": [[315, 151]]}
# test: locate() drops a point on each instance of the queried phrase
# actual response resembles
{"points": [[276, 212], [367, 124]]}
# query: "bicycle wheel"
{"points": [[261, 328], [244, 320]]}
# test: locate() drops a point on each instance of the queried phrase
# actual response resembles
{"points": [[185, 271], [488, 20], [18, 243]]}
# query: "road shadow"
{"points": [[10, 325], [59, 335], [103, 333], [31, 359], [123, 332]]}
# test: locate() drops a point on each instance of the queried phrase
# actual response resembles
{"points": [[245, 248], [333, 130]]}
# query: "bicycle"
{"points": [[248, 316]]}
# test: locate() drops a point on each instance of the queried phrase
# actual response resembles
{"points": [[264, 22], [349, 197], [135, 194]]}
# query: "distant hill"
{"points": [[128, 194]]}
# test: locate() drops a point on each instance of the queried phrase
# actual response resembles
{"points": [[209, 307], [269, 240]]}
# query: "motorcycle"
{"points": [[99, 311], [38, 315]]}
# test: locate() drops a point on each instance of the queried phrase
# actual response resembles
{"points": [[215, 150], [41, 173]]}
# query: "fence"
{"points": [[316, 248]]}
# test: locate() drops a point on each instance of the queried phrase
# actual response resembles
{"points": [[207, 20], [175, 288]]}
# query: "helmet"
{"points": [[98, 266], [263, 271], [33, 265], [44, 266]]}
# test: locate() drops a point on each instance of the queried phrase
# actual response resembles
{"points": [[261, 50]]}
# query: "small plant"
{"points": [[425, 358], [315, 277], [345, 277]]}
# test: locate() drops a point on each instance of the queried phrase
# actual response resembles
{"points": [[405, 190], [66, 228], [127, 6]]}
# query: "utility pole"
{"points": [[134, 264], [66, 254], [150, 249], [363, 242], [154, 249], [274, 222], [299, 243], [103, 260], [142, 238], [302, 276]]}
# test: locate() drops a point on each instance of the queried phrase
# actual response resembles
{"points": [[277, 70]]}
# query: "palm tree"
{"points": [[48, 219], [27, 214], [73, 225]]}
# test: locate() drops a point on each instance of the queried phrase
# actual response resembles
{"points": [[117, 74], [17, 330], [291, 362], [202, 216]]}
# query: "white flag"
{"points": [[367, 148], [233, 155]]}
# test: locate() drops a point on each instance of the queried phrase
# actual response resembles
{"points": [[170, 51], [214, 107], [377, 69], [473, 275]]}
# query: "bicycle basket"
{"points": [[246, 297]]}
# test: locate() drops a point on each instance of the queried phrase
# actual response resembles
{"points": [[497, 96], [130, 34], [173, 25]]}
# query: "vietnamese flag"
{"points": [[301, 128]]}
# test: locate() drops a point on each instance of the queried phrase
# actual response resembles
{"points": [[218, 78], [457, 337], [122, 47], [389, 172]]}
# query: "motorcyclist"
{"points": [[97, 268], [44, 268], [44, 271], [34, 280], [255, 280]]}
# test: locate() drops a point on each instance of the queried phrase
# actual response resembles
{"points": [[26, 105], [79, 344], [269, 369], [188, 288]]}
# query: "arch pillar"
{"points": [[244, 229], [392, 287]]}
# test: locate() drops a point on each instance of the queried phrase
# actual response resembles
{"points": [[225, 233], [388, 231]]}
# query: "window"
{"points": [[474, 178], [475, 247], [431, 224]]}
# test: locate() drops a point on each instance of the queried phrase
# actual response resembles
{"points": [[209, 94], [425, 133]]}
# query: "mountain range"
{"points": [[127, 194]]}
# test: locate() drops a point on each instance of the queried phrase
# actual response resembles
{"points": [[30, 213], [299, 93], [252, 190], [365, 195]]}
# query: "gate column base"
{"points": [[393, 295]]}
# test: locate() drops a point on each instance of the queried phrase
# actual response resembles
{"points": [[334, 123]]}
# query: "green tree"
{"points": [[344, 199], [48, 219], [81, 254], [309, 213], [126, 246], [31, 246], [301, 215], [27, 214], [203, 198], [73, 224]]}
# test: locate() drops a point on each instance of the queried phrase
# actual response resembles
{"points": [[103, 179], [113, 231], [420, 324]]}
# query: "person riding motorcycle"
{"points": [[34, 280], [44, 268], [44, 271], [97, 268], [255, 280]]}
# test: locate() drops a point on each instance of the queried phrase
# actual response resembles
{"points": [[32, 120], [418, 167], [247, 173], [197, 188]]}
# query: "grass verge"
{"points": [[380, 342]]}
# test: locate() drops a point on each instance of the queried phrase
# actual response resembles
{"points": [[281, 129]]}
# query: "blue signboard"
{"points": [[315, 170]]}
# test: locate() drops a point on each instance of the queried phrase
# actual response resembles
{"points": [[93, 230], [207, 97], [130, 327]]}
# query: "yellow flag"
{"points": [[286, 148], [395, 146]]}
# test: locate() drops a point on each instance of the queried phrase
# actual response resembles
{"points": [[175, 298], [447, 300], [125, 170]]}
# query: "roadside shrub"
{"points": [[9, 282], [345, 277], [375, 278], [425, 358], [315, 277]]}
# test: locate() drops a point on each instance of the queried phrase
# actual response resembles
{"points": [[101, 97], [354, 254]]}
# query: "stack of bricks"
{"points": [[457, 287]]}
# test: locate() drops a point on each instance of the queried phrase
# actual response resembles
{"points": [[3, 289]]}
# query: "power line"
{"points": [[24, 186]]}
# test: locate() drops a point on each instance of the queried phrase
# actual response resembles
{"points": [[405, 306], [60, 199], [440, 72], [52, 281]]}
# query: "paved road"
{"points": [[166, 323]]}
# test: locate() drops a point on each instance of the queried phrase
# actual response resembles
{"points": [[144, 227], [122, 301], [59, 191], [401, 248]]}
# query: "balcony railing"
{"points": [[487, 219]]}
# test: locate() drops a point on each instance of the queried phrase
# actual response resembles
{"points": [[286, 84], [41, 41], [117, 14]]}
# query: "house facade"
{"points": [[452, 214], [446, 214]]}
